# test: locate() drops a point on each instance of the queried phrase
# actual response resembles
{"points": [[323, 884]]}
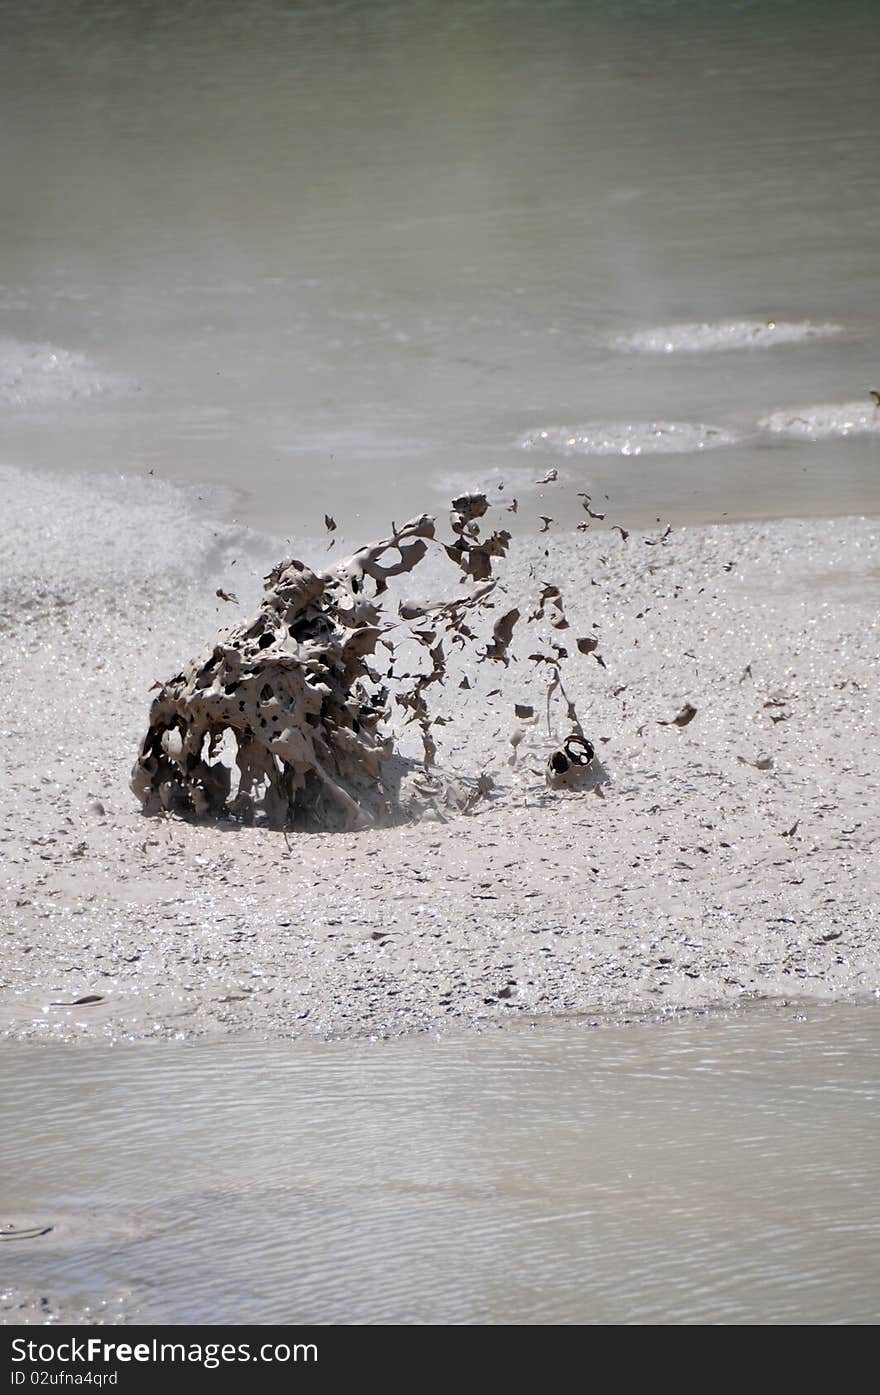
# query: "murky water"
{"points": [[708, 1171], [336, 253]]}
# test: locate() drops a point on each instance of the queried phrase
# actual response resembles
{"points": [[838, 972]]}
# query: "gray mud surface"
{"points": [[734, 856]]}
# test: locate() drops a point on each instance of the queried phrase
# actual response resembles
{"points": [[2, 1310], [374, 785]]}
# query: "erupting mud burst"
{"points": [[284, 714]]}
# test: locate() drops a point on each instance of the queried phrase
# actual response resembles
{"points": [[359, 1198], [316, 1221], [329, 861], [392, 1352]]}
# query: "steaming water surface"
{"points": [[715, 1170], [328, 252]]}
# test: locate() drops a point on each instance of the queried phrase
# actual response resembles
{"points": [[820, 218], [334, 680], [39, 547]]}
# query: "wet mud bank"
{"points": [[723, 856]]}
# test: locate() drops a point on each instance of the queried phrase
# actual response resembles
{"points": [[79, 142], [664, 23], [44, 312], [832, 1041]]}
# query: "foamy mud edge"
{"points": [[713, 336], [36, 375], [819, 422], [628, 438], [698, 880]]}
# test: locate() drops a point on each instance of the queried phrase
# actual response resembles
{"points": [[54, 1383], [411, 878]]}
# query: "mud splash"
{"points": [[288, 703]]}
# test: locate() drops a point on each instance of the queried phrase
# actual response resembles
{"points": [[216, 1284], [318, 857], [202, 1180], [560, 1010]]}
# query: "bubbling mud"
{"points": [[712, 337], [627, 438], [820, 422], [286, 715], [43, 375]]}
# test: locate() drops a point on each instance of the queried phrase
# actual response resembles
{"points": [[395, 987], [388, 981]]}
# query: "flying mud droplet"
{"points": [[502, 634], [81, 1002], [686, 715]]}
